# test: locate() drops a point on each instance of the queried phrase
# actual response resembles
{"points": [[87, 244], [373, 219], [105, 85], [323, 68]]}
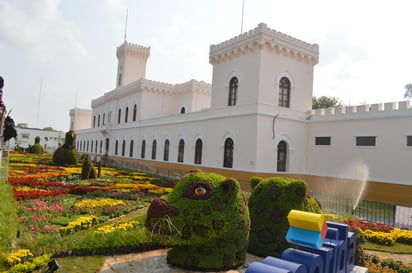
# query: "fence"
{"points": [[175, 173], [373, 211], [4, 165]]}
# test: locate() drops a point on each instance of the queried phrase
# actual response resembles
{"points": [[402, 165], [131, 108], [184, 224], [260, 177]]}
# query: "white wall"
{"points": [[49, 140]]}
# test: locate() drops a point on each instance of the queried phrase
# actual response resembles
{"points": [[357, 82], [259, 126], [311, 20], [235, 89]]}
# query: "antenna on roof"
{"points": [[125, 27]]}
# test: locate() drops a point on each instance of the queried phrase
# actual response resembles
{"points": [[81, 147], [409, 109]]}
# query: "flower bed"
{"points": [[380, 233], [53, 203], [377, 265]]}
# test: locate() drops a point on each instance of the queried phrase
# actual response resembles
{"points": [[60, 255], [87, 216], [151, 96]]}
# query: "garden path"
{"points": [[155, 261]]}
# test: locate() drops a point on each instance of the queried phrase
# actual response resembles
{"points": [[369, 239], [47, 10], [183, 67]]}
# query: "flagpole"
{"points": [[38, 107], [243, 8], [125, 27]]}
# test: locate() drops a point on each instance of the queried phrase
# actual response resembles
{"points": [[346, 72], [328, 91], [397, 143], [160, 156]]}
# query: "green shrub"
{"points": [[269, 206], [206, 221], [36, 149], [67, 154], [88, 172], [64, 156]]}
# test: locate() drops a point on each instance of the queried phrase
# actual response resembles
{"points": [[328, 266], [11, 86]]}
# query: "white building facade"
{"points": [[49, 140], [256, 116]]}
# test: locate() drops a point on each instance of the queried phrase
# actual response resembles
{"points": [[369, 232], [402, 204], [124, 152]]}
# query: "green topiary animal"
{"points": [[269, 205], [88, 172], [67, 154], [206, 220], [36, 148]]}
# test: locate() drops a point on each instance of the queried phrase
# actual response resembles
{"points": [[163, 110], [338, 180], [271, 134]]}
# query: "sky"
{"points": [[59, 54]]}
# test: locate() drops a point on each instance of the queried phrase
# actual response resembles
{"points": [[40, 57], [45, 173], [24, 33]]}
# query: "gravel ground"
{"points": [[155, 261]]}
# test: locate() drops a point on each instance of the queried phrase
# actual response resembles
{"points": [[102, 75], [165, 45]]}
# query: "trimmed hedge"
{"points": [[269, 205], [206, 221], [67, 154]]}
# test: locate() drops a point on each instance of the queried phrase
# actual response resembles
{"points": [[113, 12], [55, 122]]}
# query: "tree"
{"points": [[408, 93], [48, 129], [325, 102], [22, 125]]}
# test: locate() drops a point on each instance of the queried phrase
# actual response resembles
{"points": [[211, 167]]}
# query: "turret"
{"points": [[263, 66], [132, 60]]}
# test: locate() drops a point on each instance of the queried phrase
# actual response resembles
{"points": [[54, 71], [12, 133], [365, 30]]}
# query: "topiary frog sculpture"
{"points": [[205, 219], [269, 204]]}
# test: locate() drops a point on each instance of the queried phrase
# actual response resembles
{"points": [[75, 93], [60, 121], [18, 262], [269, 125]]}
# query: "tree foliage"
{"points": [[325, 102], [408, 92]]}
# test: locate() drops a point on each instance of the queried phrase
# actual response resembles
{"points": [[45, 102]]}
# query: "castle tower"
{"points": [[80, 119], [266, 67], [132, 60]]}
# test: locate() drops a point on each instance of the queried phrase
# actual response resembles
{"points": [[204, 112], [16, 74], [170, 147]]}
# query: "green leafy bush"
{"points": [[269, 206], [67, 154], [206, 221], [36, 148], [88, 172]]}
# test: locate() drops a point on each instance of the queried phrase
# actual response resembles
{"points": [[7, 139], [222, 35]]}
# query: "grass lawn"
{"points": [[84, 264], [397, 248]]}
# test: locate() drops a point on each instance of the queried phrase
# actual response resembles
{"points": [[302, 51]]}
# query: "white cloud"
{"points": [[37, 30]]}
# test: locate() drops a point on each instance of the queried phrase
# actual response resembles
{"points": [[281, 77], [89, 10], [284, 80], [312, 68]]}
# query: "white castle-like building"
{"points": [[256, 116]]}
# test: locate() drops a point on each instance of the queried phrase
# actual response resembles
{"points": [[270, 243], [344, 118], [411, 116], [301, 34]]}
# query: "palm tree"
{"points": [[408, 93]]}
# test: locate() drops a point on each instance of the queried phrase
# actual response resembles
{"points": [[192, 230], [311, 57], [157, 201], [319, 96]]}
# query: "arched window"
{"points": [[94, 121], [116, 147], [182, 110], [198, 151], [154, 149], [119, 116], [87, 148], [91, 146], [134, 112], [126, 114], [104, 116], [95, 148], [228, 153], [124, 147], [166, 151], [282, 155], [98, 120], [81, 147], [131, 148], [181, 151], [107, 145], [143, 152], [284, 92], [101, 146], [233, 91]]}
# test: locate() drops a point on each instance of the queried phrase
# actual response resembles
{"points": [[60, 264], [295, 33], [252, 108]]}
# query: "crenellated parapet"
{"points": [[260, 38], [368, 111], [131, 49], [192, 86]]}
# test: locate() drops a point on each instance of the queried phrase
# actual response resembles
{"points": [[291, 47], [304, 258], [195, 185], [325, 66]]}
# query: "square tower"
{"points": [[131, 65], [263, 66]]}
